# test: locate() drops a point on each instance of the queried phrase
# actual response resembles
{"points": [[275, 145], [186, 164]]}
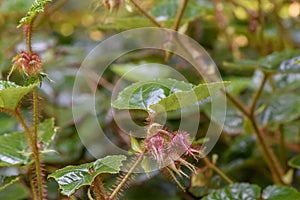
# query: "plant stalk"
{"points": [[153, 20], [217, 170], [129, 173], [179, 14]]}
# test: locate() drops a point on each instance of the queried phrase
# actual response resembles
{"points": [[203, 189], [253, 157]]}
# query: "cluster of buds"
{"points": [[27, 63], [170, 148]]}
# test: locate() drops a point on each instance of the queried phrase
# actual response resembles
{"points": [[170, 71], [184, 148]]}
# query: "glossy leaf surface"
{"points": [[168, 94], [237, 191], [72, 178], [14, 147]]}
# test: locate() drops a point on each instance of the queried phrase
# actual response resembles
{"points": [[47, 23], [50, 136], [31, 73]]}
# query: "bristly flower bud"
{"points": [[156, 146], [180, 143], [170, 147], [27, 63]]}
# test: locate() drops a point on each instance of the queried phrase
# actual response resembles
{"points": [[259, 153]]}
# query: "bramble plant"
{"points": [[255, 46]]}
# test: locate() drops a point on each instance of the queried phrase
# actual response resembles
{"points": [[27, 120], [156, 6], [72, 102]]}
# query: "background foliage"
{"points": [[255, 46]]}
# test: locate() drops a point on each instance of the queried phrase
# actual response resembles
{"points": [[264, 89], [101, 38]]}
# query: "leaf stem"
{"points": [[217, 170], [129, 173], [153, 20], [179, 14]]}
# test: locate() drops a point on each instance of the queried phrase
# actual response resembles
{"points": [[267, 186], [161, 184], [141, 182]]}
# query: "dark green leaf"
{"points": [[6, 181], [280, 108], [14, 147], [278, 62], [142, 95], [275, 192], [166, 94], [15, 192], [11, 94], [181, 99], [295, 162], [72, 178], [237, 191]]}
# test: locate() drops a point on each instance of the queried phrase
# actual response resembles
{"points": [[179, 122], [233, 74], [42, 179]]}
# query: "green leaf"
{"points": [[36, 7], [237, 191], [146, 166], [183, 99], [47, 132], [168, 94], [135, 146], [11, 94], [72, 178], [14, 147], [281, 108], [141, 95], [275, 192], [140, 72], [279, 62], [15, 192], [6, 181], [295, 162]]}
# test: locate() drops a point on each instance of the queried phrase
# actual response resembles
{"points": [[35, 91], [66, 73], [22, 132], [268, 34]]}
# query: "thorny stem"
{"points": [[145, 13], [35, 114], [99, 189], [217, 170], [28, 34], [33, 138], [129, 173], [179, 14], [36, 155]]}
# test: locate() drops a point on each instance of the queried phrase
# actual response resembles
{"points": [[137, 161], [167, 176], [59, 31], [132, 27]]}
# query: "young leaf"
{"points": [[6, 181], [36, 7], [168, 94], [183, 99], [295, 162], [141, 95], [72, 178], [14, 147], [237, 191], [11, 94], [275, 192], [135, 146]]}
